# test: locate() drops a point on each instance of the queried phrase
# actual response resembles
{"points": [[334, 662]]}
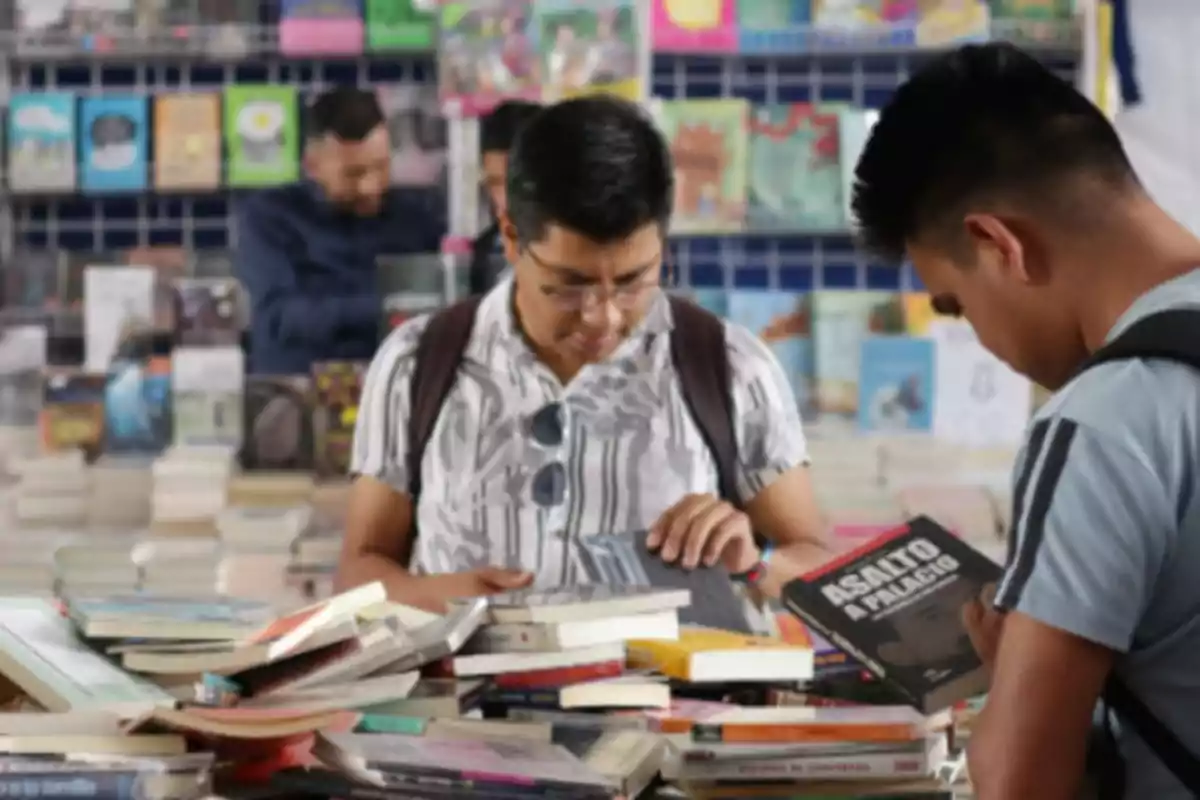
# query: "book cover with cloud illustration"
{"points": [[41, 142], [262, 135], [896, 385], [781, 319], [114, 143]]}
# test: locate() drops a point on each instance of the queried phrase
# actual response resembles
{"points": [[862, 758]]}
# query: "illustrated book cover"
{"points": [[23, 357], [774, 27], [487, 53], [42, 140], [68, 27], [72, 416], [841, 320], [118, 313], [854, 128], [279, 423], [321, 27], [589, 47], [709, 142], [209, 311], [418, 134], [895, 605], [694, 26], [1046, 21], [137, 407], [944, 23], [400, 25], [219, 28], [187, 141], [855, 24], [782, 320], [114, 148], [262, 135], [337, 386], [896, 384], [794, 171], [207, 385]]}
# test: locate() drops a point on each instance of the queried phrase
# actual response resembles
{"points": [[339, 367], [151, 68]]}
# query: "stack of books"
{"points": [[53, 491], [190, 490], [96, 565], [120, 494], [184, 567]]}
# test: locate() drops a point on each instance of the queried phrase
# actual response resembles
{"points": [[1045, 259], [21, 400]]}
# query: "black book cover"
{"points": [[895, 604]]}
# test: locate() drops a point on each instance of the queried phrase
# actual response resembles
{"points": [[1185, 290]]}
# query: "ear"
{"points": [[508, 237], [996, 242]]}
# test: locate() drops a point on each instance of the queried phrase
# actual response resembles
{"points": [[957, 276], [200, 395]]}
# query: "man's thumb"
{"points": [[506, 578]]}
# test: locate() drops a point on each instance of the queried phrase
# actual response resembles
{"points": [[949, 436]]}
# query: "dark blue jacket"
{"points": [[310, 271]]}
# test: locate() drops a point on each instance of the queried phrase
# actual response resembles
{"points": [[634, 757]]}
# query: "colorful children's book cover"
{"points": [[61, 27], [694, 26], [115, 144], [781, 319], [41, 142], [1033, 20], [488, 53], [418, 134], [895, 386], [187, 141], [337, 386], [137, 407], [400, 25], [709, 142], [948, 22], [774, 27], [588, 47], [72, 415], [262, 135], [321, 27], [795, 179], [854, 129], [842, 319], [854, 23]]}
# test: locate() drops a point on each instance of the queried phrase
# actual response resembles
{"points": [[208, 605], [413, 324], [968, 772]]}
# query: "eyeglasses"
{"points": [[549, 488], [574, 298]]}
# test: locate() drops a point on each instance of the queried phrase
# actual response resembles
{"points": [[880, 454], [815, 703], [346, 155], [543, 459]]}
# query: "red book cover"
{"points": [[558, 677]]}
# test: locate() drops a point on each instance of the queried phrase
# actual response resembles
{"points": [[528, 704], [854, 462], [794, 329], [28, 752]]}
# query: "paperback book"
{"points": [[118, 313], [841, 321], [41, 142], [209, 312], [853, 24], [418, 134], [187, 141], [794, 171], [279, 431], [337, 386], [137, 407], [400, 25], [589, 47], [709, 143], [896, 385], [487, 53], [23, 356], [895, 605], [320, 27], [774, 27], [262, 135], [72, 416], [694, 26], [32, 279], [782, 320], [207, 384], [115, 144]]}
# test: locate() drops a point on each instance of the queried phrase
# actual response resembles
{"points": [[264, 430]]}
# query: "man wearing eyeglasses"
{"points": [[567, 417]]}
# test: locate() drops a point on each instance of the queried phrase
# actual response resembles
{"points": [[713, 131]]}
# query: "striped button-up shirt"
{"points": [[629, 447]]}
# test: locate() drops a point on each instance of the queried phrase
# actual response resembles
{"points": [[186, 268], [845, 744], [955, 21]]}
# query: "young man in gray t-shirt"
{"points": [[1013, 198]]}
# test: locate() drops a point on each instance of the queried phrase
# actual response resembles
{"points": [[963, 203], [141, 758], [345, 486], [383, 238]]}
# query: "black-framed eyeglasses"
{"points": [[548, 429], [624, 296]]}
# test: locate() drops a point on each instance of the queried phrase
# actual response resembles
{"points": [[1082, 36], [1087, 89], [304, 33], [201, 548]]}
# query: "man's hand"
{"points": [[984, 624], [703, 529], [479, 582]]}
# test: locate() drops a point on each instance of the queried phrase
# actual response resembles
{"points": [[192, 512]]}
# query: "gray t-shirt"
{"points": [[1106, 529]]}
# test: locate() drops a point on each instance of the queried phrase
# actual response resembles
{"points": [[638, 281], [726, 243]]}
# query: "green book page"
{"points": [[262, 135], [399, 25], [709, 142], [392, 723]]}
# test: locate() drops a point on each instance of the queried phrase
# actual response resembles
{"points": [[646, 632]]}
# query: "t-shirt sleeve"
{"points": [[770, 435], [380, 448], [1092, 526]]}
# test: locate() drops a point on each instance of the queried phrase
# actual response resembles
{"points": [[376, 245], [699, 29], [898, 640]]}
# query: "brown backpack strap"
{"points": [[701, 359], [439, 354]]}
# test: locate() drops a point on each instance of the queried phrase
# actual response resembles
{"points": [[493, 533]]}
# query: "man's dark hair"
{"points": [[345, 113], [498, 129], [983, 124], [594, 165]]}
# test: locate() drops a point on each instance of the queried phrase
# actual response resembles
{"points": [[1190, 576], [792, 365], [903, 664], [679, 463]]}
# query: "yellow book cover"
{"points": [[677, 658], [918, 313]]}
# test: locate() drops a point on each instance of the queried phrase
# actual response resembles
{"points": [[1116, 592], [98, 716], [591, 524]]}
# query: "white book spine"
{"points": [[865, 766]]}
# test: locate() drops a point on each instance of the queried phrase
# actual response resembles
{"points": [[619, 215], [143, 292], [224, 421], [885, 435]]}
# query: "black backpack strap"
{"points": [[701, 359], [1172, 335], [1161, 740], [439, 354]]}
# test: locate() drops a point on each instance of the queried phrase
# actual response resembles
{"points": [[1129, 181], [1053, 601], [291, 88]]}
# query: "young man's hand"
{"points": [[984, 624], [703, 529]]}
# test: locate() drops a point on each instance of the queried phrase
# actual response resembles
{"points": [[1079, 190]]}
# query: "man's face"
{"points": [[578, 299], [1016, 301], [495, 173], [354, 175]]}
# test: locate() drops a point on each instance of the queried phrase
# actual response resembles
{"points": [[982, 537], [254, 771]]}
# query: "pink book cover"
{"points": [[705, 26], [321, 27]]}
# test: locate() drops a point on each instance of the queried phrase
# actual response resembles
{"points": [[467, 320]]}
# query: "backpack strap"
{"points": [[701, 359], [1161, 740], [438, 357], [1172, 335]]}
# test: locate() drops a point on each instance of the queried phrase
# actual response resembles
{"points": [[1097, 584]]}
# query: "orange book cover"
{"points": [[187, 141], [867, 724]]}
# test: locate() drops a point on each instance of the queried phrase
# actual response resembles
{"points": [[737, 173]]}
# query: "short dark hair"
{"points": [[595, 165], [980, 124], [498, 129], [344, 112]]}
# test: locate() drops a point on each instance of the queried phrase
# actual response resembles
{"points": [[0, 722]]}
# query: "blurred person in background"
{"points": [[567, 418], [306, 252], [1013, 198], [497, 131]]}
